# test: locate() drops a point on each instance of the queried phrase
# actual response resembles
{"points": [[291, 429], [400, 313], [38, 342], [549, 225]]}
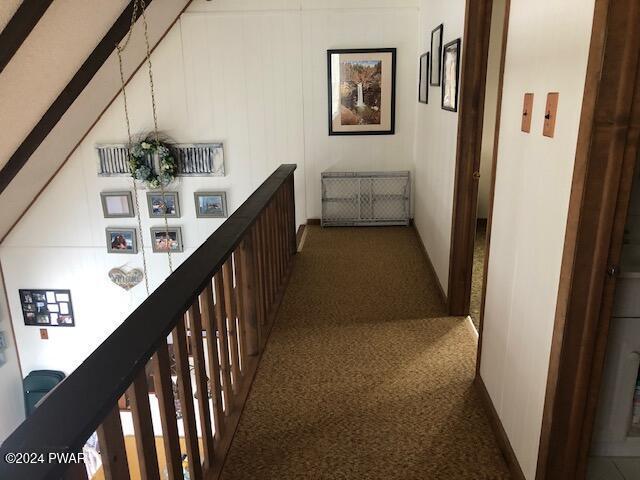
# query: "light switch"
{"points": [[527, 109], [550, 113]]}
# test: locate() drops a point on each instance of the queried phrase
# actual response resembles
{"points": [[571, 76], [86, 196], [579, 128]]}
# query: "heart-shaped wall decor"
{"points": [[126, 279]]}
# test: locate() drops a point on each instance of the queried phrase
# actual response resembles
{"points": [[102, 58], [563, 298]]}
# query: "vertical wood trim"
{"points": [[195, 325], [208, 318], [143, 427], [221, 325], [227, 270], [112, 449], [166, 403], [492, 188], [186, 400], [240, 307], [607, 144], [475, 51]]}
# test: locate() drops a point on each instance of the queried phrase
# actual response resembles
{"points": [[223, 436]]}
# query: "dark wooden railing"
{"points": [[218, 307]]}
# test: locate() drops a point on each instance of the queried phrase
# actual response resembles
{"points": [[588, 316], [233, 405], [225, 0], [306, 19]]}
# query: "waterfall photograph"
{"points": [[360, 92]]}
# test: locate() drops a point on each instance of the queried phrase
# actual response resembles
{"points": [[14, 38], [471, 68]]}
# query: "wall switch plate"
{"points": [[3, 341], [527, 109], [550, 113]]}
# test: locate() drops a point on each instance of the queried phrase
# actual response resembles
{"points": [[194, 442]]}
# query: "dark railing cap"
{"points": [[73, 410]]}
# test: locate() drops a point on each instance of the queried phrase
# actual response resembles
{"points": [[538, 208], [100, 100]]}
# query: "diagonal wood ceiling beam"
{"points": [[68, 95], [19, 27]]}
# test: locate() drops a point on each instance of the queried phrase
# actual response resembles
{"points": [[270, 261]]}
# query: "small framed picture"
{"points": [[450, 74], [163, 204], [423, 84], [211, 204], [43, 319], [121, 240], [436, 55], [163, 239], [117, 204]]}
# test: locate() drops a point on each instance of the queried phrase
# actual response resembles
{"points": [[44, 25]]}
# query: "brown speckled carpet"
{"points": [[477, 277], [363, 377]]}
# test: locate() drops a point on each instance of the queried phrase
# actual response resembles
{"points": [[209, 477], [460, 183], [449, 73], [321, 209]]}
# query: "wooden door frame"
{"points": [[475, 52], [607, 151]]}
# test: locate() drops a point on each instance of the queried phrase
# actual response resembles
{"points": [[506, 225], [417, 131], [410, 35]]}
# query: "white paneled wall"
{"points": [[249, 74]]}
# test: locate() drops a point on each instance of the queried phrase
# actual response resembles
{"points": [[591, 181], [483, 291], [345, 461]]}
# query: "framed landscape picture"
{"points": [[423, 83], [163, 239], [361, 91], [163, 204], [436, 55], [211, 204], [450, 74], [117, 204], [122, 240]]}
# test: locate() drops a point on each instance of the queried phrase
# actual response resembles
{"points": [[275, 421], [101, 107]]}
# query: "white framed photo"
{"points": [[117, 204], [211, 204]]}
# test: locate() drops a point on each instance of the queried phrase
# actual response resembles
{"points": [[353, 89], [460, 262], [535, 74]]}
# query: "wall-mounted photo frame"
{"points": [[48, 307], [122, 240], [450, 75], [117, 204], [163, 204], [163, 239], [361, 85], [423, 82], [211, 204], [436, 55]]}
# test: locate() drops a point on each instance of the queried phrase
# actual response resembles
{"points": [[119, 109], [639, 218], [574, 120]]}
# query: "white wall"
{"points": [[11, 399], [250, 74], [435, 144], [547, 51]]}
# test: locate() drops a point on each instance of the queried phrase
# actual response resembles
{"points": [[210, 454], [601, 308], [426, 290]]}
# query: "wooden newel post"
{"points": [[249, 293]]}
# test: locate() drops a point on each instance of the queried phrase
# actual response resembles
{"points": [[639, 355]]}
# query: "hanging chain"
{"points": [[120, 49], [141, 4]]}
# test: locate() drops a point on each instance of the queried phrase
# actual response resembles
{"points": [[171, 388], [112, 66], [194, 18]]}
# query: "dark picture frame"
{"points": [[47, 307], [155, 200], [211, 209], [379, 118], [122, 240], [423, 82], [451, 75], [436, 55]]}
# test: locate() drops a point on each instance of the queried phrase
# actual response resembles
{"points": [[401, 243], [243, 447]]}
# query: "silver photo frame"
{"points": [[163, 204], [122, 240], [159, 236], [211, 204], [117, 204]]}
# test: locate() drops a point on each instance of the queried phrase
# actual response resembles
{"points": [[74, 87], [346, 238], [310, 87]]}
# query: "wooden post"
{"points": [[249, 293], [221, 325], [227, 271], [143, 427], [208, 319], [112, 449]]}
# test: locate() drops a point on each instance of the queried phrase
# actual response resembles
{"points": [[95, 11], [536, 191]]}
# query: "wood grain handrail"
{"points": [[78, 406]]}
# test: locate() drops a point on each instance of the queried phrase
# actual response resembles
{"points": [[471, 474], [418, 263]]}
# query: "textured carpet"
{"points": [[363, 377], [477, 276]]}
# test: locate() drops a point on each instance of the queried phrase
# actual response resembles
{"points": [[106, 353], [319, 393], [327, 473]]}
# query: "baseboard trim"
{"points": [[503, 441], [443, 296], [313, 221]]}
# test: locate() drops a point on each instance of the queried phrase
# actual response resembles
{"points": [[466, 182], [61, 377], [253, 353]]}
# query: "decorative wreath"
{"points": [[141, 171]]}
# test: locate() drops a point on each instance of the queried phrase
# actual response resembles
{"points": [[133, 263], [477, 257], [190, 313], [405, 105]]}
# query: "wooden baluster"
{"points": [[238, 265], [272, 259], [249, 293], [186, 400], [163, 386], [281, 236], [143, 427], [266, 257], [227, 270], [257, 259], [76, 471], [292, 215], [221, 325], [195, 324], [112, 449], [276, 236], [208, 319]]}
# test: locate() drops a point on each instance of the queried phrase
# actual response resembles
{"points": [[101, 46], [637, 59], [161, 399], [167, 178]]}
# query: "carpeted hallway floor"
{"points": [[363, 377]]}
